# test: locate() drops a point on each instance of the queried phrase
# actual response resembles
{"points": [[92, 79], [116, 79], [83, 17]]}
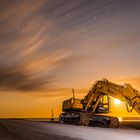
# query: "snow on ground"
{"points": [[90, 133], [27, 130]]}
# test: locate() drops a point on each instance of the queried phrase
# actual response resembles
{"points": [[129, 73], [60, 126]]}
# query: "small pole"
{"points": [[73, 96], [52, 119], [73, 93], [52, 113]]}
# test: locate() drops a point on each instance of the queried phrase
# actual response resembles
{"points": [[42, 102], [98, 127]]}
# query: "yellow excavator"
{"points": [[89, 110]]}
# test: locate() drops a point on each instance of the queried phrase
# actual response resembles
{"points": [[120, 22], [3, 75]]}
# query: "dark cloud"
{"points": [[16, 79]]}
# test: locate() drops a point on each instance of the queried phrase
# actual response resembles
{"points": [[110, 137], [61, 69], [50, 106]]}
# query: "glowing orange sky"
{"points": [[48, 47], [40, 104]]}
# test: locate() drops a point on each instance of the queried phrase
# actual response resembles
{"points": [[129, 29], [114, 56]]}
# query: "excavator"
{"points": [[93, 108]]}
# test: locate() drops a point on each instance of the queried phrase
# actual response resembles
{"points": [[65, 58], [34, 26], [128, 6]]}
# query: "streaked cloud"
{"points": [[64, 44]]}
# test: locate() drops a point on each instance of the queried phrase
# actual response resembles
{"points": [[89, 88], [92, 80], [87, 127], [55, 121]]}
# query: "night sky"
{"points": [[48, 47]]}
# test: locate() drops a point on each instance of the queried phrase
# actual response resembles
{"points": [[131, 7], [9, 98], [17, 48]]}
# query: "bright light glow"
{"points": [[120, 119], [117, 101]]}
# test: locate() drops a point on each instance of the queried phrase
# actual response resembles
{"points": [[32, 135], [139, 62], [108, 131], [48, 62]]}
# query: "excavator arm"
{"points": [[124, 93]]}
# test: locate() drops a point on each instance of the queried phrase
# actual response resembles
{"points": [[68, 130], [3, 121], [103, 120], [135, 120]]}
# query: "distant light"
{"points": [[117, 101], [120, 119]]}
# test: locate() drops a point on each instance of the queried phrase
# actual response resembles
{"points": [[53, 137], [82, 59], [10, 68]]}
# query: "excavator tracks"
{"points": [[88, 119]]}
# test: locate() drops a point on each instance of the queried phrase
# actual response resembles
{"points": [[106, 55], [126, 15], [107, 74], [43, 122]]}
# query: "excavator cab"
{"points": [[100, 104], [104, 105]]}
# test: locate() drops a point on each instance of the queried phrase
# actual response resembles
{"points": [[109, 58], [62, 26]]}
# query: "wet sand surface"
{"points": [[28, 130]]}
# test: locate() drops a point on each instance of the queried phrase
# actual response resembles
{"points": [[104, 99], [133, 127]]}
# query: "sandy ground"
{"points": [[27, 130]]}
